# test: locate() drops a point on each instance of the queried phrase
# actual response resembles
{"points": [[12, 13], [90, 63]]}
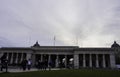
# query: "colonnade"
{"points": [[14, 58], [56, 59], [83, 60], [94, 61], [77, 60]]}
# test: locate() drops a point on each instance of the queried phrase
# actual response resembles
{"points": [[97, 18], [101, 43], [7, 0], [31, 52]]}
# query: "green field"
{"points": [[65, 73]]}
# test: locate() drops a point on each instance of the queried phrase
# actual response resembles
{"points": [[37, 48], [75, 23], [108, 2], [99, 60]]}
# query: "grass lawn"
{"points": [[65, 73]]}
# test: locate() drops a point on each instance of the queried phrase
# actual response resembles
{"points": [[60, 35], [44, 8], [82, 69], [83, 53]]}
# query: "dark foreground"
{"points": [[65, 73]]}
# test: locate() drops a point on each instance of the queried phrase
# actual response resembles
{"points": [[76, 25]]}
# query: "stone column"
{"points": [[84, 61], [90, 60], [104, 61], [21, 57], [16, 61], [1, 54], [7, 56], [65, 61], [28, 56], [49, 59], [112, 60], [33, 59], [76, 61], [97, 63], [11, 60], [41, 57], [57, 61]]}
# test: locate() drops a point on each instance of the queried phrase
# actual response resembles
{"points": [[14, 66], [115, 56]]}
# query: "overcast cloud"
{"points": [[87, 23]]}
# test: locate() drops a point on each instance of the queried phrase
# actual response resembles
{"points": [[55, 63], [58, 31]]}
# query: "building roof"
{"points": [[95, 49], [57, 48], [15, 48], [37, 46]]}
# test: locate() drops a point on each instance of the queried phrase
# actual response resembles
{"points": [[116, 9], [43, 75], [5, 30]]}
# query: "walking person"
{"points": [[24, 64], [45, 64], [4, 63], [50, 65], [29, 63], [39, 65]]}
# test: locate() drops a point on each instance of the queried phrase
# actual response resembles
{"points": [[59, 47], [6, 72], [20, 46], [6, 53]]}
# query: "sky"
{"points": [[83, 23]]}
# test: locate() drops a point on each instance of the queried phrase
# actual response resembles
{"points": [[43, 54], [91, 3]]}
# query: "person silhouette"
{"points": [[24, 64], [29, 63]]}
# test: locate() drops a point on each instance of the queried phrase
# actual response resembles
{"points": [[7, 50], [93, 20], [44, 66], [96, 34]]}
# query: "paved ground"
{"points": [[20, 70]]}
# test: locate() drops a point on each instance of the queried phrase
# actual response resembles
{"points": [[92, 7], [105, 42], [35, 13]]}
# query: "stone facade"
{"points": [[67, 56]]}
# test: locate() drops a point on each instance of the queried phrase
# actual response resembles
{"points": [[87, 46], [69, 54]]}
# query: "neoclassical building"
{"points": [[68, 55]]}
